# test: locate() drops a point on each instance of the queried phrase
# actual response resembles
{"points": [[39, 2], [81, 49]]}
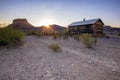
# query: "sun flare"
{"points": [[47, 22]]}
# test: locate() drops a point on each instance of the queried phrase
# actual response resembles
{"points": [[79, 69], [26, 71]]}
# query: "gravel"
{"points": [[35, 61]]}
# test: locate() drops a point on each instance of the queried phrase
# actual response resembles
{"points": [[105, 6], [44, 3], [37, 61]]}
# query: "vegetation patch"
{"points": [[76, 37], [37, 33], [10, 36], [55, 47], [65, 34], [55, 36], [88, 40]]}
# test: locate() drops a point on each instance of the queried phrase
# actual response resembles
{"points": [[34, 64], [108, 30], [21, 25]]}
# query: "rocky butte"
{"points": [[22, 24]]}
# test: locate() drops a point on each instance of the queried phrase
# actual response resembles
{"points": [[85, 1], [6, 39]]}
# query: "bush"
{"points": [[37, 33], [55, 47], [88, 40], [65, 34], [96, 40], [10, 36], [55, 36], [59, 35], [76, 37], [30, 33]]}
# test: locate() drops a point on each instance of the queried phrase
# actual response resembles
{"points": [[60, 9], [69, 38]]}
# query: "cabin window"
{"points": [[87, 27], [71, 28], [82, 27]]}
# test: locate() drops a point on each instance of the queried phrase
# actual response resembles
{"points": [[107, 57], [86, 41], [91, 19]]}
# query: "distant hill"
{"points": [[112, 30], [58, 27], [55, 27]]}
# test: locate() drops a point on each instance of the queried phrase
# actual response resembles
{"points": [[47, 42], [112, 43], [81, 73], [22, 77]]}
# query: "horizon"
{"points": [[61, 12]]}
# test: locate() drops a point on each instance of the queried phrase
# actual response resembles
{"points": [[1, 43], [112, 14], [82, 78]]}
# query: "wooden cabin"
{"points": [[93, 26]]}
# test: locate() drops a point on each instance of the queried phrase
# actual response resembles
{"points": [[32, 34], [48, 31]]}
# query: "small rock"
{"points": [[24, 46], [49, 74], [113, 62], [67, 51], [113, 70], [89, 61], [52, 78], [63, 65], [72, 65]]}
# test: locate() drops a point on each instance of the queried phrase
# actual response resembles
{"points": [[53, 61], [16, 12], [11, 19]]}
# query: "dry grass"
{"points": [[88, 40]]}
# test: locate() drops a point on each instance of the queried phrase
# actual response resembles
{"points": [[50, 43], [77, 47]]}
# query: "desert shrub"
{"points": [[65, 34], [95, 40], [55, 47], [65, 37], [55, 36], [10, 36], [59, 35], [37, 33], [88, 40], [30, 33], [76, 37]]}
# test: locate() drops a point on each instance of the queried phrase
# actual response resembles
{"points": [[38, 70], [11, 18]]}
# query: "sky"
{"points": [[61, 12]]}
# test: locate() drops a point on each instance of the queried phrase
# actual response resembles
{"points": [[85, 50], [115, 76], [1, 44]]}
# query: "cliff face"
{"points": [[16, 21]]}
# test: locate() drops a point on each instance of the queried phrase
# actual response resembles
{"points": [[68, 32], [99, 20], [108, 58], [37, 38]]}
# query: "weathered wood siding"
{"points": [[98, 28]]}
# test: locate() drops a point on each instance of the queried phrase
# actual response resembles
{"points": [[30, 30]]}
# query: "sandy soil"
{"points": [[35, 61]]}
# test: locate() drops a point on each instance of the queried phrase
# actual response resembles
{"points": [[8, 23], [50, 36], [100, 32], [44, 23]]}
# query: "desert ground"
{"points": [[35, 61]]}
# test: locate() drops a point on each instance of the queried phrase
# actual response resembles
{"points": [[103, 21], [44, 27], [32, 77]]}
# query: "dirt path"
{"points": [[34, 61]]}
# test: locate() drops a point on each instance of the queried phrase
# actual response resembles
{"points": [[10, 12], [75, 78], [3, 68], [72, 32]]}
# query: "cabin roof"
{"points": [[86, 22]]}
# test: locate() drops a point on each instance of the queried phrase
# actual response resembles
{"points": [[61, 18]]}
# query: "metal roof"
{"points": [[86, 22]]}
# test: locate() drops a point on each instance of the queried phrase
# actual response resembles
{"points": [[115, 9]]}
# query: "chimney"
{"points": [[83, 19]]}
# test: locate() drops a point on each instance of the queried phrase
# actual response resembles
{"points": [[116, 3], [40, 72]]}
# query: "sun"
{"points": [[47, 22]]}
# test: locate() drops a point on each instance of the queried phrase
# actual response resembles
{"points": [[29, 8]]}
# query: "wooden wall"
{"points": [[98, 28]]}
